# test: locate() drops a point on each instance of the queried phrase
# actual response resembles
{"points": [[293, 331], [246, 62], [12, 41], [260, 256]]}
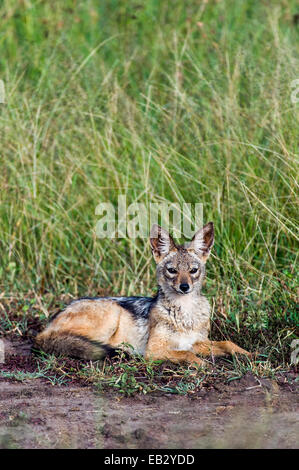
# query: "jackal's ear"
{"points": [[161, 242], [203, 241]]}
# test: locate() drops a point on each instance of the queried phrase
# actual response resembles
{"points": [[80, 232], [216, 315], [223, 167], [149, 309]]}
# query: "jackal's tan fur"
{"points": [[173, 326]]}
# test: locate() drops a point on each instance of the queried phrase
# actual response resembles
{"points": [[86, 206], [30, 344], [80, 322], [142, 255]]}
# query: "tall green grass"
{"points": [[177, 101]]}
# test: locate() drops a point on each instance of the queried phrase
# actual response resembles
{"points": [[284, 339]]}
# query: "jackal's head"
{"points": [[181, 268]]}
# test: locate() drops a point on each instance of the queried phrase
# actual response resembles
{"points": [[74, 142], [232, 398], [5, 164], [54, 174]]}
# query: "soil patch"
{"points": [[246, 413]]}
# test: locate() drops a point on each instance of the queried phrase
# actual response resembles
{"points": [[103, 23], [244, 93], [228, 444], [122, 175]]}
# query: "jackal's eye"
{"points": [[172, 270], [193, 270]]}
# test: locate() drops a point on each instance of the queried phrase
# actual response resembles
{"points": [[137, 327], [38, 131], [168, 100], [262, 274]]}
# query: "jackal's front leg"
{"points": [[217, 348], [176, 357], [161, 351]]}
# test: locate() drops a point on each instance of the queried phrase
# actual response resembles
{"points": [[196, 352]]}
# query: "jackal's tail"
{"points": [[68, 344]]}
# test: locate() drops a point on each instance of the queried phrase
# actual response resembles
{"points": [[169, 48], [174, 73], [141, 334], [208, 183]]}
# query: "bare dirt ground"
{"points": [[247, 413]]}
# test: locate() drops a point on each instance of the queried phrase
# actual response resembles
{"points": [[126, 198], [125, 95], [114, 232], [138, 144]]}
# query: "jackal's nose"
{"points": [[184, 288]]}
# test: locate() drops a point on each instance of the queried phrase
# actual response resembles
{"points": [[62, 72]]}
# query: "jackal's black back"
{"points": [[139, 307]]}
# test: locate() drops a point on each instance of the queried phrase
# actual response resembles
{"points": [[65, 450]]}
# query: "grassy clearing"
{"points": [[160, 102]]}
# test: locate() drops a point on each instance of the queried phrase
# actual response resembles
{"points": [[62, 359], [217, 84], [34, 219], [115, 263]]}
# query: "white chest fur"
{"points": [[184, 342], [187, 311], [189, 315]]}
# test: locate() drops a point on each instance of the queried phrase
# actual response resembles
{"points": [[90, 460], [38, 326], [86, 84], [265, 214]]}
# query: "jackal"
{"points": [[174, 325]]}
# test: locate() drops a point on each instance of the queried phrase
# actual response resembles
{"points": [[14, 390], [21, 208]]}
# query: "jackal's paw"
{"points": [[242, 351], [232, 348]]}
